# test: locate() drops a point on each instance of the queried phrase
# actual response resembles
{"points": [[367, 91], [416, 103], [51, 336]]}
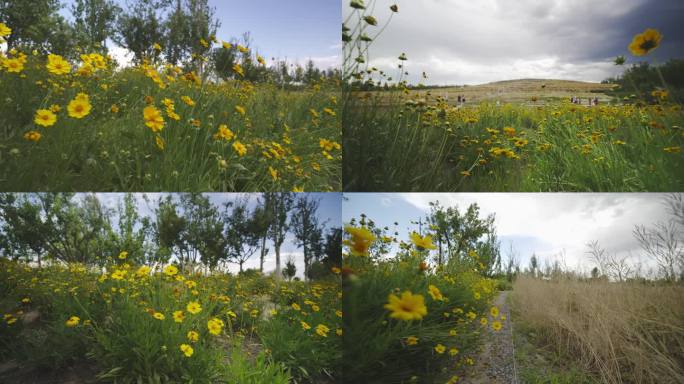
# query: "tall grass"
{"points": [[427, 144], [290, 137], [624, 332]]}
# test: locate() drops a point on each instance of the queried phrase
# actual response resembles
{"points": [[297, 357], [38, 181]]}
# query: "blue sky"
{"points": [[294, 29], [548, 224]]}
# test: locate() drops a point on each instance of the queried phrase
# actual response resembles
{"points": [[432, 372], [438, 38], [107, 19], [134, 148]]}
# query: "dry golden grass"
{"points": [[624, 332], [527, 91]]}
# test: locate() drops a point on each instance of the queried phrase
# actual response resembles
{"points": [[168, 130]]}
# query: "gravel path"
{"points": [[495, 364]]}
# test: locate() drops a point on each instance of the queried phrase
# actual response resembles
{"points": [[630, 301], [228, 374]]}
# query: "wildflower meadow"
{"points": [[125, 302], [195, 114], [402, 136]]}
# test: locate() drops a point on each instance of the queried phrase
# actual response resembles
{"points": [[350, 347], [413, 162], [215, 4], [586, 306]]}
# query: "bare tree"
{"points": [[599, 256], [662, 243], [620, 267], [513, 262]]}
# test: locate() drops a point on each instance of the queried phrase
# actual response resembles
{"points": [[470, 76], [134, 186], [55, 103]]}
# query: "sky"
{"points": [[547, 224], [473, 42], [329, 212], [296, 29]]}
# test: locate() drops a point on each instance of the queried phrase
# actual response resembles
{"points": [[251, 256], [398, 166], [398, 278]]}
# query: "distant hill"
{"points": [[522, 91]]}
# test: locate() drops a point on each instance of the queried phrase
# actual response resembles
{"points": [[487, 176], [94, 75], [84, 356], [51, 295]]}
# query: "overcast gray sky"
{"points": [[474, 42], [547, 224]]}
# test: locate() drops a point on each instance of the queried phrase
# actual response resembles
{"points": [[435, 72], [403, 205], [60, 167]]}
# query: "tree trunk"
{"points": [[263, 254], [278, 274]]}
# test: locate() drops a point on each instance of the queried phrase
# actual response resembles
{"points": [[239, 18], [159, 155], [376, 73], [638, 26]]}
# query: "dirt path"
{"points": [[495, 364]]}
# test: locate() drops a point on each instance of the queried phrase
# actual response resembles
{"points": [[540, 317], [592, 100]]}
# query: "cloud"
{"points": [[559, 223], [469, 42]]}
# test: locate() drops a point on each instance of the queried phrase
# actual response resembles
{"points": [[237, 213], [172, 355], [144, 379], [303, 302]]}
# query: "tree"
{"points": [[170, 228], [599, 256], [662, 243], [333, 247], [290, 269], [94, 22], [534, 264], [457, 233], [241, 236], [139, 28], [305, 227], [261, 222], [34, 23], [280, 204], [133, 231]]}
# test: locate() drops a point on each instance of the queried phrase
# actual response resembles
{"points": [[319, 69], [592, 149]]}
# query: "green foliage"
{"points": [[375, 345], [644, 78], [93, 23]]}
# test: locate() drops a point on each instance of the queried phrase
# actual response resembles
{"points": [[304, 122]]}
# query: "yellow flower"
{"points": [[239, 148], [187, 100], [296, 307], [79, 107], [422, 243], [494, 311], [242, 49], [226, 45], [223, 133], [435, 293], [118, 274], [496, 325], [273, 173], [13, 65], [194, 307], [411, 340], [408, 307], [170, 270], [57, 65], [123, 255], [153, 118], [483, 321], [453, 351], [73, 321], [439, 348], [261, 60], [241, 110], [215, 326], [160, 142], [361, 240], [33, 136], [157, 47], [322, 330], [237, 68], [159, 316], [178, 316], [645, 42], [305, 325], [45, 117], [187, 350], [4, 30], [193, 336], [452, 332]]}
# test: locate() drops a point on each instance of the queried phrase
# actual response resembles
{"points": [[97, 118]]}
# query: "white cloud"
{"points": [[557, 223], [122, 55], [469, 42]]}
